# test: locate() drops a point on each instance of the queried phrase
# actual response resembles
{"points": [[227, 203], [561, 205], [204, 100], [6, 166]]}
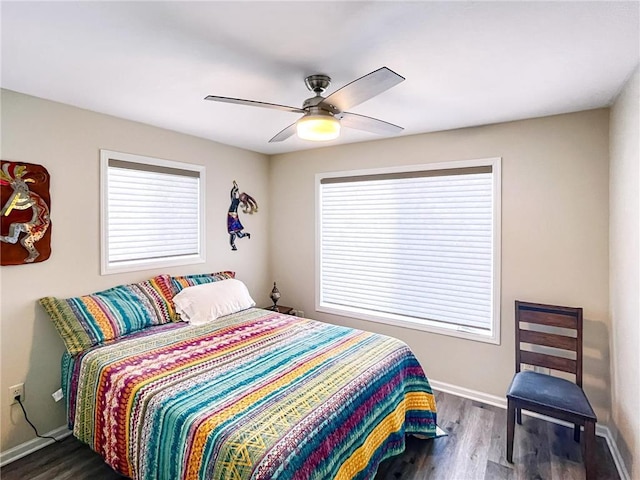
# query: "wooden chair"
{"points": [[546, 394]]}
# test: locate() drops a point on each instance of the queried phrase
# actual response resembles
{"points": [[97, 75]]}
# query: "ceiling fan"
{"points": [[323, 116]]}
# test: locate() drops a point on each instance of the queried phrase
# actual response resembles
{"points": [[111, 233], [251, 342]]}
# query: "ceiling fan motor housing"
{"points": [[318, 84]]}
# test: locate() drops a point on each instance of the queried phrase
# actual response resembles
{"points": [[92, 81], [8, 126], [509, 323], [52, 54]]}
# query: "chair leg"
{"points": [[576, 433], [519, 415], [511, 413], [590, 464]]}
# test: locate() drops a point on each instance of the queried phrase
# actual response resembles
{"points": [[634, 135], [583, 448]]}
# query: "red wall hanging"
{"points": [[25, 226]]}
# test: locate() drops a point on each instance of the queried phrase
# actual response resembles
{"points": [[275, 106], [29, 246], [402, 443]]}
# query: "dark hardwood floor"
{"points": [[473, 449]]}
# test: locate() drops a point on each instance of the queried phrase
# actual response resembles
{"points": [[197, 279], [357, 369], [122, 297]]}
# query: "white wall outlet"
{"points": [[16, 391], [57, 395]]}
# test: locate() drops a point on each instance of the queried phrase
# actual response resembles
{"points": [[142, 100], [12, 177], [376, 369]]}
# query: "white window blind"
{"points": [[152, 213], [416, 246]]}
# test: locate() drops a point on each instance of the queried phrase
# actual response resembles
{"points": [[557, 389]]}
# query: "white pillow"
{"points": [[205, 303]]}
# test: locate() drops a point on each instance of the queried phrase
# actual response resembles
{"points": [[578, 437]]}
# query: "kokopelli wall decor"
{"points": [[249, 206], [25, 233]]}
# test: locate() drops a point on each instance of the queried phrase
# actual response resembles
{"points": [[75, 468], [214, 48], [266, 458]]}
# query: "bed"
{"points": [[254, 395]]}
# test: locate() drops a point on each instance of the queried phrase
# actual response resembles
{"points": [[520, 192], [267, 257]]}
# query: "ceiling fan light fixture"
{"points": [[318, 127]]}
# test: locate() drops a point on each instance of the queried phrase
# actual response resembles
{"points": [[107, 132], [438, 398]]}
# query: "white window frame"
{"points": [[401, 321], [146, 264]]}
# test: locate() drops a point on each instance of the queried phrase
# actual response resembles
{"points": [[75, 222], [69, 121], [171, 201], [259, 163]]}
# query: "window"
{"points": [[417, 247], [152, 212]]}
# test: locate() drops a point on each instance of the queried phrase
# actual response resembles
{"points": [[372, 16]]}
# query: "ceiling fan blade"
{"points": [[284, 134], [369, 124], [253, 103], [364, 88]]}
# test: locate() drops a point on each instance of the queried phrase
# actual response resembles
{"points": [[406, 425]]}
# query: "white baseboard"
{"points": [[501, 402], [34, 445], [615, 453]]}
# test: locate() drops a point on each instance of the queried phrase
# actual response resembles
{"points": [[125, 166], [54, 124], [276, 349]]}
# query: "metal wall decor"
{"points": [[25, 226], [249, 206]]}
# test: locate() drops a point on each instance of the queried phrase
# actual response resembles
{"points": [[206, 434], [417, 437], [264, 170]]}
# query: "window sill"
{"points": [[467, 333], [138, 265]]}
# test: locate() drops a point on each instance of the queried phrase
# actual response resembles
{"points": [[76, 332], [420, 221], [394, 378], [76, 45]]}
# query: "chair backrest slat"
{"points": [[549, 317], [548, 340], [549, 361]]}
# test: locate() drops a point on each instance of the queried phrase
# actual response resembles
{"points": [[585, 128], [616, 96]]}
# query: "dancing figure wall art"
{"points": [[234, 226], [25, 235]]}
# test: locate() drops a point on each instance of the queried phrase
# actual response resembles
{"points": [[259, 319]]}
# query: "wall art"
{"points": [[249, 206], [25, 226]]}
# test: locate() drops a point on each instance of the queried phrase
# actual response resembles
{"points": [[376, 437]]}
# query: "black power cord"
{"points": [[17, 399]]}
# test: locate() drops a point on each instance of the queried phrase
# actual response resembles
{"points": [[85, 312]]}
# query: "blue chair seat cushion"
{"points": [[550, 392]]}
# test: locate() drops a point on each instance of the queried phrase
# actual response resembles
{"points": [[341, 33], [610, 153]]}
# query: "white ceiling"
{"points": [[465, 63]]}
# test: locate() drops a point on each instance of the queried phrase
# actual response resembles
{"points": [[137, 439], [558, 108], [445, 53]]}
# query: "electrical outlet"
{"points": [[16, 391]]}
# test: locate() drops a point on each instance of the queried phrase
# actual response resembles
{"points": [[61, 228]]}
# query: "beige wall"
{"points": [[554, 235], [66, 140], [625, 272]]}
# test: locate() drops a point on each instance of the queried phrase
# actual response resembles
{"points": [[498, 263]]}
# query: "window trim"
{"points": [[441, 328], [138, 265]]}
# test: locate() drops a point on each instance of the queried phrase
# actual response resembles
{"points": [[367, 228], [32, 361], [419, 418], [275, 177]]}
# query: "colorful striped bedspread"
{"points": [[256, 395]]}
